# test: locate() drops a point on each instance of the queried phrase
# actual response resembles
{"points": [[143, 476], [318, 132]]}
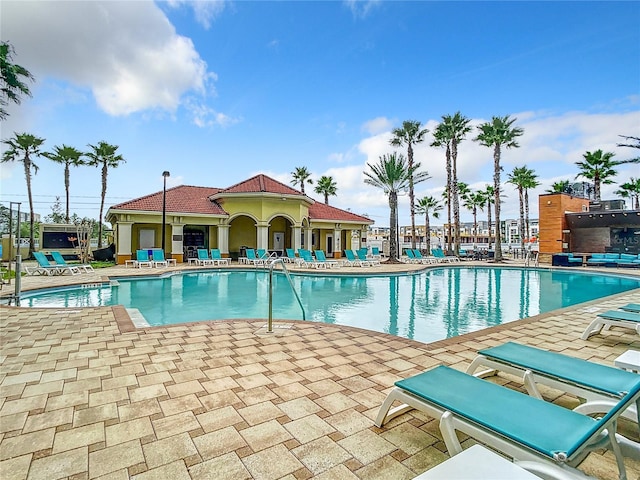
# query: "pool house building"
{"points": [[259, 212]]}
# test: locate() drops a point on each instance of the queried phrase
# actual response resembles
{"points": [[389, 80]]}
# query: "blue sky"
{"points": [[216, 92]]}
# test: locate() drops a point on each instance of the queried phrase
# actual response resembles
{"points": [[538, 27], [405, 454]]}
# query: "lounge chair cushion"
{"points": [[598, 377], [502, 410]]}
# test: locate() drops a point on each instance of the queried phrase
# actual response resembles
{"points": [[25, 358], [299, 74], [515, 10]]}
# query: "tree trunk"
{"points": [[427, 232], [393, 232], [32, 218], [66, 188], [412, 208], [456, 200], [449, 194], [521, 223], [496, 186], [526, 213], [104, 194], [489, 222]]}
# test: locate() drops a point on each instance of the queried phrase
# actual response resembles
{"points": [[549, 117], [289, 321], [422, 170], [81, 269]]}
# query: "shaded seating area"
{"points": [[543, 437]]}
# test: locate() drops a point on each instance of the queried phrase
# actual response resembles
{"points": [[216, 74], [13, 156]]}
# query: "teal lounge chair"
{"points": [[142, 259], [264, 255], [375, 253], [308, 260], [59, 259], [322, 258], [600, 385], [631, 307], [353, 261], [217, 259], [48, 268], [290, 256], [540, 436], [158, 259], [253, 259], [420, 259], [411, 256], [441, 257], [613, 318], [362, 256]]}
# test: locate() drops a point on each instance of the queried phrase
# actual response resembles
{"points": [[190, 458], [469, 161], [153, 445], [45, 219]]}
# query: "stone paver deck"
{"points": [[83, 394]]}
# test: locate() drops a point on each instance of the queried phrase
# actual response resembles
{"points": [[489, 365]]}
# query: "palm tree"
{"points": [[391, 174], [453, 131], [11, 79], [423, 207], [563, 186], [326, 186], [600, 168], [301, 176], [518, 178], [23, 147], [631, 189], [489, 199], [497, 133], [441, 140], [67, 156], [473, 201], [103, 155], [409, 134], [635, 143], [530, 181]]}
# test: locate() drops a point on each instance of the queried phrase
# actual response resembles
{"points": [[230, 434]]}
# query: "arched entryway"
{"points": [[242, 235]]}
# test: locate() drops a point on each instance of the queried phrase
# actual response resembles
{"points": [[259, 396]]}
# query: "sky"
{"points": [[218, 91]]}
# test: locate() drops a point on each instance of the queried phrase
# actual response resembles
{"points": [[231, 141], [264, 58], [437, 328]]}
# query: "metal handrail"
{"points": [[286, 273]]}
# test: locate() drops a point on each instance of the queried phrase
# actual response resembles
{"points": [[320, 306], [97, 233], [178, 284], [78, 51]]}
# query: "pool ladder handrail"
{"points": [[286, 273]]}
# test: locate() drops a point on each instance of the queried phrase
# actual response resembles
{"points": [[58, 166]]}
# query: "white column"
{"points": [[308, 235], [223, 238], [296, 232], [124, 238], [177, 246], [337, 240], [262, 234]]}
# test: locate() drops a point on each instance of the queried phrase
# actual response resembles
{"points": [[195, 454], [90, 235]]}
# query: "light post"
{"points": [[165, 174]]}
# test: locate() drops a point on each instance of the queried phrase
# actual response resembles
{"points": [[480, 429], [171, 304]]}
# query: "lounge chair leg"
{"points": [[476, 363], [530, 384], [385, 414], [594, 407], [593, 328], [449, 434]]}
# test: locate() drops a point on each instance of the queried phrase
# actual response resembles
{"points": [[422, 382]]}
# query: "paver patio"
{"points": [[83, 394]]}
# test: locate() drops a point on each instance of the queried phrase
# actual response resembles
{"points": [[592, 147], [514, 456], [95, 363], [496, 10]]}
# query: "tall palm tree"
{"points": [[24, 147], [301, 176], [530, 181], [453, 131], [498, 133], [409, 134], [392, 174], [12, 79], [441, 140], [473, 201], [326, 186], [562, 186], [600, 168], [489, 199], [67, 156], [518, 178], [631, 189], [103, 156], [423, 207]]}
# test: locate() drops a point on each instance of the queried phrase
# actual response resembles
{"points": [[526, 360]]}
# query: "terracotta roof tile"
{"points": [[184, 198], [322, 211], [261, 183]]}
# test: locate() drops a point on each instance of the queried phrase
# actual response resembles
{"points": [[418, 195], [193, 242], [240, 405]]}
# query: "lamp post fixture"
{"points": [[165, 174]]}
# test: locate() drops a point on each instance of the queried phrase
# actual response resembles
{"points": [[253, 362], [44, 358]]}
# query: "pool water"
{"points": [[427, 306]]}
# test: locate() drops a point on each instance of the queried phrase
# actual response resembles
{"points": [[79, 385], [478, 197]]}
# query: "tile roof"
{"points": [[322, 211], [191, 199], [184, 198], [261, 183]]}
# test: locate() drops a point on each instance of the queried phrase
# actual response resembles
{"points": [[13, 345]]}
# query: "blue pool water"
{"points": [[431, 305]]}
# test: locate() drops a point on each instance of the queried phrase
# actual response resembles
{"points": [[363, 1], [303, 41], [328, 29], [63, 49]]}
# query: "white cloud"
{"points": [[205, 11], [127, 53], [377, 125], [361, 8]]}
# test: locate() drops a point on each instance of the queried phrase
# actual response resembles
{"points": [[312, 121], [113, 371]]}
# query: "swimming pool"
{"points": [[430, 305]]}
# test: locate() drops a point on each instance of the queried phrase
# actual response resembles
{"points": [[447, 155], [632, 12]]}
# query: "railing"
{"points": [[286, 273]]}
